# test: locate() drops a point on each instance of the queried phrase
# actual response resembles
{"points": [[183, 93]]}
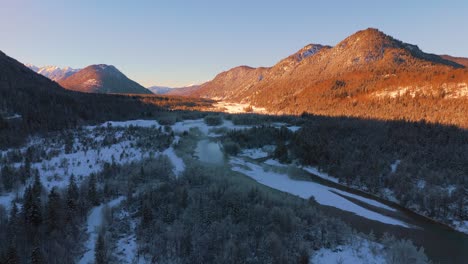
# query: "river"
{"points": [[366, 213]]}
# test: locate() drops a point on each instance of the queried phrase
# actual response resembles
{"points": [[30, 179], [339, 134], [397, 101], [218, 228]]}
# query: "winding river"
{"points": [[362, 211], [365, 212]]}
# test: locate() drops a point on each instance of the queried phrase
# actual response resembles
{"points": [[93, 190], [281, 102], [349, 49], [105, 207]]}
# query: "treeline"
{"points": [[430, 165]]}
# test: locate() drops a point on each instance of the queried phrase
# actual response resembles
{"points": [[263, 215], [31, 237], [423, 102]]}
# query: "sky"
{"points": [[176, 43]]}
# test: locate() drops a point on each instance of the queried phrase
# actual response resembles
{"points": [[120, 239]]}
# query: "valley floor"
{"points": [[94, 150]]}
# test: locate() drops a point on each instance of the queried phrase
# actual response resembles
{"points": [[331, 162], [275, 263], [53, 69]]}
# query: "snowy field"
{"points": [[88, 158]]}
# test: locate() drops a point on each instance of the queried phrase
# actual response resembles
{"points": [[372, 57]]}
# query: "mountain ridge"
{"points": [[160, 90], [368, 75], [54, 73], [102, 78]]}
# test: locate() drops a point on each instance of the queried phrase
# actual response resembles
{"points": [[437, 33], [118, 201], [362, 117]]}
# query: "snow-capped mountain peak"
{"points": [[54, 73]]}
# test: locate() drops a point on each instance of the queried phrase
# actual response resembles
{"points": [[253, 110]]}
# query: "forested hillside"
{"points": [[31, 103], [367, 75]]}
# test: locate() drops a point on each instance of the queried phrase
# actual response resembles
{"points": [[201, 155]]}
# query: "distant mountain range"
{"points": [[173, 90], [367, 75], [30, 103], [99, 78], [53, 72], [160, 89]]}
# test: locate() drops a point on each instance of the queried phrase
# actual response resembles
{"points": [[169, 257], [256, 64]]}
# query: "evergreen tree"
{"points": [[72, 199], [37, 187], [54, 209], [12, 256], [32, 208], [36, 256], [13, 223], [8, 178], [100, 250], [92, 192], [146, 213], [26, 170]]}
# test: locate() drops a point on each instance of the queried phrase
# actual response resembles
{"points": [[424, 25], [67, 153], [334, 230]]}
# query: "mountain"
{"points": [[185, 90], [102, 78], [53, 72], [32, 67], [159, 89], [369, 74], [31, 103], [237, 83]]}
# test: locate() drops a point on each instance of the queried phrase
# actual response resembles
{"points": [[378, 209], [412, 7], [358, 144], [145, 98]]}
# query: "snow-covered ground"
{"points": [[15, 116], [135, 123], [254, 153], [291, 128], [186, 125], [56, 171], [237, 108], [366, 200], [94, 222], [273, 162], [362, 251], [323, 175], [394, 166], [317, 172], [305, 189], [126, 247], [84, 160], [461, 226], [178, 163]]}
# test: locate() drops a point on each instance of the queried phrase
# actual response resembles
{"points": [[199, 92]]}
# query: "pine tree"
{"points": [[54, 209], [36, 256], [37, 187], [12, 256], [8, 178], [13, 223], [100, 250], [25, 171], [146, 212], [32, 208], [92, 193], [72, 199]]}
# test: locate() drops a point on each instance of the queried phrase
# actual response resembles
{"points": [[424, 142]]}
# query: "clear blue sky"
{"points": [[177, 42]]}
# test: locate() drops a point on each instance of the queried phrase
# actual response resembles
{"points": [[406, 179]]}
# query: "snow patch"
{"points": [[179, 165], [15, 116], [394, 166], [92, 82], [273, 162], [200, 124], [253, 153], [237, 108], [322, 175], [362, 252], [461, 226]]}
